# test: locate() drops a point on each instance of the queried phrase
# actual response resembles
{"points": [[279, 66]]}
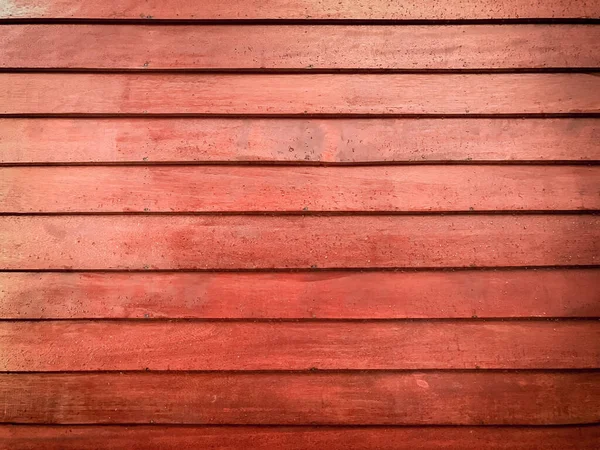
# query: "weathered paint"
{"points": [[293, 189], [298, 94], [313, 295], [300, 9], [145, 242], [304, 47], [231, 140], [422, 345], [317, 398]]}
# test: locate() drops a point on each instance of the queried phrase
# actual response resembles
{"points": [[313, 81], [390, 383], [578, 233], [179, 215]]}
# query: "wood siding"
{"points": [[299, 224]]}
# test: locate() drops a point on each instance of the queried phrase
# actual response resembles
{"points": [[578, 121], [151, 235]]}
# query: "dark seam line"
{"points": [[304, 270], [323, 117], [316, 213], [578, 115], [298, 71], [305, 164], [304, 372], [308, 425], [149, 20], [311, 320]]}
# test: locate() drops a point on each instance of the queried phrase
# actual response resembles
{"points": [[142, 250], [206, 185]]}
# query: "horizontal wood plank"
{"points": [[41, 346], [300, 9], [325, 295], [295, 189], [372, 362], [405, 398], [266, 242], [297, 140], [143, 437], [159, 93], [304, 47]]}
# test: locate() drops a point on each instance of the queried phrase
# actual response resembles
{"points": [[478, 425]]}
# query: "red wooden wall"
{"points": [[334, 224]]}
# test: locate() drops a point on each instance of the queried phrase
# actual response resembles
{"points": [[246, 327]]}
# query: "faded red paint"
{"points": [[299, 437], [286, 398], [307, 295], [299, 189], [163, 269], [294, 242], [41, 346], [304, 47], [297, 141], [298, 94], [301, 9]]}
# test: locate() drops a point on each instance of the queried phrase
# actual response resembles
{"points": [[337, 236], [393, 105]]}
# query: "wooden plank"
{"points": [[20, 437], [193, 93], [266, 242], [296, 189], [40, 346], [297, 140], [304, 47], [351, 398], [300, 9], [323, 295]]}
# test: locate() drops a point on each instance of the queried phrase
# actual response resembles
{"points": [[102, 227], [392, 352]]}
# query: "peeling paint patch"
{"points": [[19, 8], [422, 383]]}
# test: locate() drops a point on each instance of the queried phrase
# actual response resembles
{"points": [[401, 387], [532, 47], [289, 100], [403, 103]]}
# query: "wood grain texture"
{"points": [[84, 246], [297, 140], [375, 398], [35, 346], [192, 93], [266, 242], [296, 189], [326, 295], [19, 437], [304, 47], [300, 9]]}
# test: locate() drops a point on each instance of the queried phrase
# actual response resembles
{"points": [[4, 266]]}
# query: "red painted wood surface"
{"points": [[300, 9], [304, 47], [266, 242], [352, 398], [424, 167], [60, 140], [143, 437], [312, 295], [134, 93], [57, 346], [296, 189]]}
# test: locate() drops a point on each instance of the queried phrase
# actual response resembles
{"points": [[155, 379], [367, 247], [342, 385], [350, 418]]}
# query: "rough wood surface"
{"points": [[384, 398], [300, 9], [159, 93], [41, 346], [266, 242], [297, 140], [140, 301], [309, 295], [296, 189], [143, 437], [304, 47]]}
